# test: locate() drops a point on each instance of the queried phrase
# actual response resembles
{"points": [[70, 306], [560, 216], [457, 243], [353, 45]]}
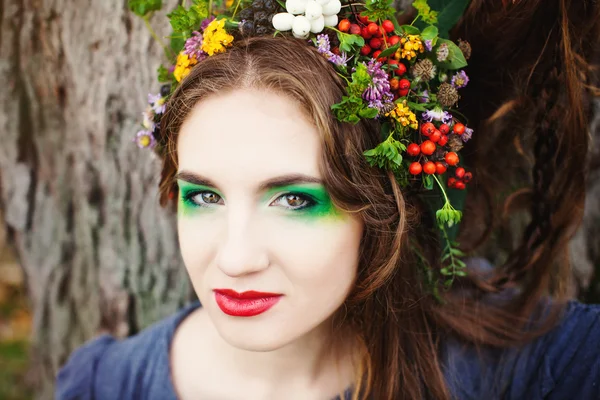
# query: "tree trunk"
{"points": [[80, 199]]}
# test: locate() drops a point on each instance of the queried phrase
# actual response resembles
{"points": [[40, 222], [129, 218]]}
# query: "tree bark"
{"points": [[79, 198]]}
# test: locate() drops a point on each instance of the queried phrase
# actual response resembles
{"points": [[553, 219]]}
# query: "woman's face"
{"points": [[253, 216]]}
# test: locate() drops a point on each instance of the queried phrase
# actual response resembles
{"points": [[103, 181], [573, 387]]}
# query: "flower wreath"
{"points": [[406, 76]]}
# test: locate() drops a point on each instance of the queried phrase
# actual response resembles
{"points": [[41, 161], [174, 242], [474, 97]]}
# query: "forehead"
{"points": [[245, 136]]}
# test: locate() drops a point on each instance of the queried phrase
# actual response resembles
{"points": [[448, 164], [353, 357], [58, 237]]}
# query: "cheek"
{"points": [[319, 259], [196, 245]]}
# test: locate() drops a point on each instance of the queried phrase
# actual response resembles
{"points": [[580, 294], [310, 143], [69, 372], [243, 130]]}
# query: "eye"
{"points": [[294, 201], [203, 199]]}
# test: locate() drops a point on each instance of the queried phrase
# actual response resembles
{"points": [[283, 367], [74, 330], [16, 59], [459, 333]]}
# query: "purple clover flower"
{"points": [[144, 139], [437, 114], [379, 93], [193, 47], [424, 96], [460, 80], [428, 45], [324, 47], [467, 134]]}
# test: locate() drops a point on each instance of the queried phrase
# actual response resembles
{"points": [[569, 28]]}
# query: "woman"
{"points": [[304, 255]]}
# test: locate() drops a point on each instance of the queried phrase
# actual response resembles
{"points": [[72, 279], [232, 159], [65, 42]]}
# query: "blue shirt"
{"points": [[563, 364]]}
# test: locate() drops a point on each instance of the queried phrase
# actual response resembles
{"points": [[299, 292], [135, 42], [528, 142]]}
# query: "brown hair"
{"points": [[398, 323]]}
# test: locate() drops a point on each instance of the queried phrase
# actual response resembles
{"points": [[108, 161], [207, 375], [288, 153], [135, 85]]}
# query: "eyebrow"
{"points": [[283, 180]]}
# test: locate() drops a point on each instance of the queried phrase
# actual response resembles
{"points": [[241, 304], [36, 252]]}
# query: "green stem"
{"points": [[210, 10], [441, 188], [169, 54], [236, 8]]}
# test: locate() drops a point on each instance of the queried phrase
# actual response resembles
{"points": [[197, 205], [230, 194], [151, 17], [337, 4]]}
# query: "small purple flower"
{"points": [[193, 47], [467, 134], [144, 139], [324, 47], [379, 93], [148, 119], [157, 102], [340, 60], [424, 96], [207, 21], [428, 45], [437, 114], [460, 80]]}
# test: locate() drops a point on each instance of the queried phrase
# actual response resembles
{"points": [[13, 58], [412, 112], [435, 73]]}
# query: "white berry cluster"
{"points": [[306, 16]]}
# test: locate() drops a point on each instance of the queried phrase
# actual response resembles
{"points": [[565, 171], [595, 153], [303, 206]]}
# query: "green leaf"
{"points": [[177, 44], [428, 182], [184, 21], [410, 30], [417, 106], [144, 7], [456, 59], [389, 51], [450, 14], [163, 74], [368, 113], [348, 42], [429, 33]]}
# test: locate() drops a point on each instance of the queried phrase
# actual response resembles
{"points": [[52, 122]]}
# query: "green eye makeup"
{"points": [[304, 201], [316, 203]]}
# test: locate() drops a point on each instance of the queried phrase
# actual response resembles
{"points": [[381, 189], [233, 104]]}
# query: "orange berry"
{"points": [[415, 168], [435, 136], [427, 128], [428, 148], [451, 158], [365, 50], [394, 83], [388, 26], [429, 168], [459, 128], [344, 25], [355, 29], [443, 140], [440, 168], [460, 185], [375, 43], [393, 40], [444, 129], [468, 177], [373, 28], [413, 149], [460, 172]]}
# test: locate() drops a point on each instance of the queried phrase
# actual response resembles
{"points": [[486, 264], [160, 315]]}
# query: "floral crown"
{"points": [[406, 76]]}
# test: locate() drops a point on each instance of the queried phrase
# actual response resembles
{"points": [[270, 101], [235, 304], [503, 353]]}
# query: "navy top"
{"points": [[563, 364]]}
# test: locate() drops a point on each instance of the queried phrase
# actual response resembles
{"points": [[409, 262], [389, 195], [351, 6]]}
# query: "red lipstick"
{"points": [[245, 304]]}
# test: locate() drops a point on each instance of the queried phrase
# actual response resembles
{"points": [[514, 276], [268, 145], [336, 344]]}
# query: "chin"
{"points": [[252, 335]]}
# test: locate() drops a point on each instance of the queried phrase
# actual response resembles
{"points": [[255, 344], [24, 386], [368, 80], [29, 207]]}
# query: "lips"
{"points": [[245, 304]]}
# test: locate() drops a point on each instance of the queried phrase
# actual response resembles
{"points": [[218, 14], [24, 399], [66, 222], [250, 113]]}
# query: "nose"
{"points": [[240, 252]]}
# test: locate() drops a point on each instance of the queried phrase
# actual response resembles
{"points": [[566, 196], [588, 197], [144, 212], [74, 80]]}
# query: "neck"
{"points": [[320, 359]]}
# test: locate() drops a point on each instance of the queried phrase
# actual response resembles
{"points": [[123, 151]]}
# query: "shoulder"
{"points": [[107, 368], [564, 363]]}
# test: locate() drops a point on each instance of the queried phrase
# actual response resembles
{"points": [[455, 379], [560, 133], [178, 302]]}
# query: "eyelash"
{"points": [[188, 198]]}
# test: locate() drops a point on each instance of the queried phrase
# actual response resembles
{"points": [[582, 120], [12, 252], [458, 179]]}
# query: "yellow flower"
{"points": [[228, 3], [404, 115], [183, 66], [411, 44], [215, 38]]}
